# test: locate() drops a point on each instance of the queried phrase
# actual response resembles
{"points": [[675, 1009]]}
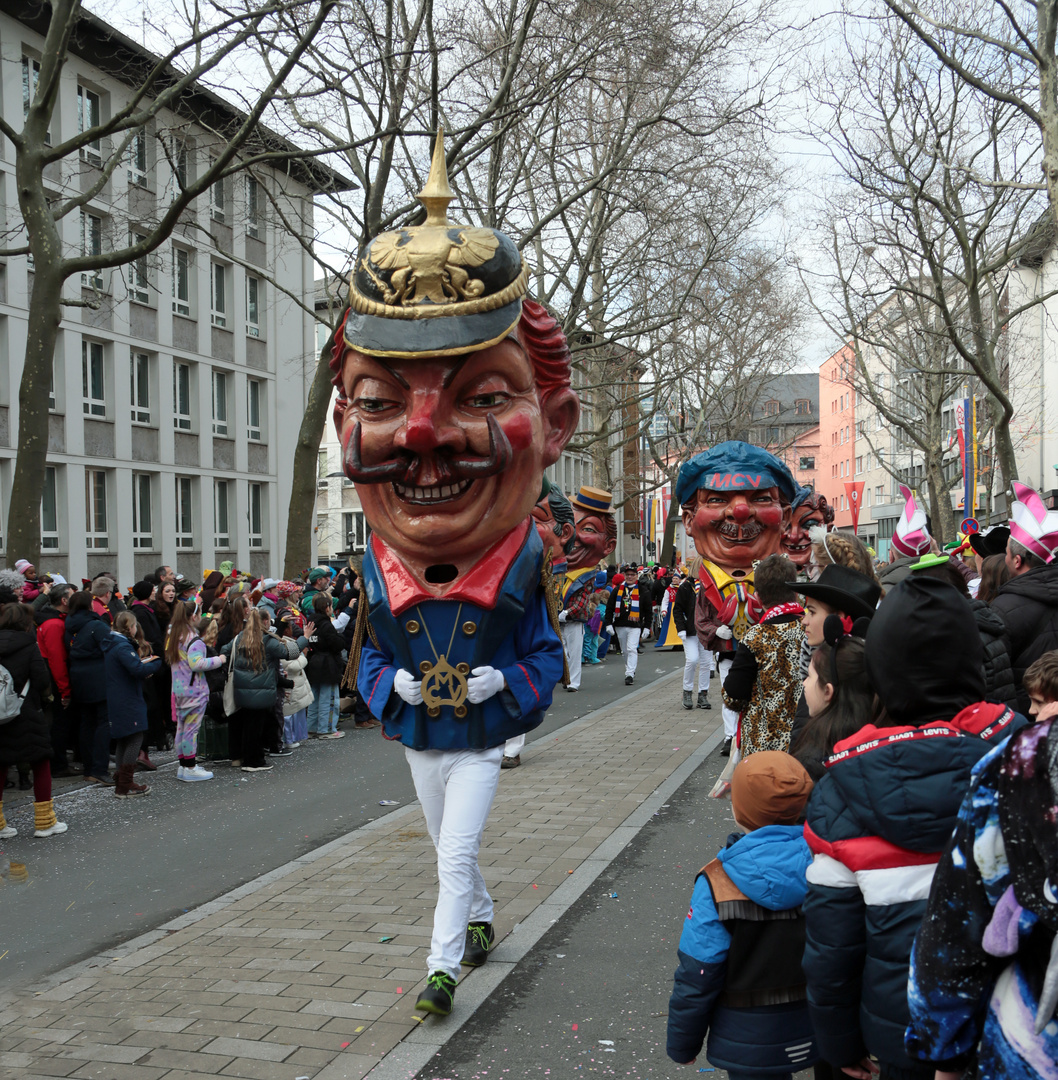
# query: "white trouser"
{"points": [[513, 747], [694, 656], [730, 715], [573, 643], [456, 789], [628, 636]]}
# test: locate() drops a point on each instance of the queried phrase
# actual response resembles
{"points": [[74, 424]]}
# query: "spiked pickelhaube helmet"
{"points": [[437, 288]]}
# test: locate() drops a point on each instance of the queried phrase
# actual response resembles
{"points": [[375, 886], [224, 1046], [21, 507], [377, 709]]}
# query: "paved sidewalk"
{"points": [[311, 972]]}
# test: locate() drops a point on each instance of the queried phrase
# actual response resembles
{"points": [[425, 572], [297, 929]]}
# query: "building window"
{"points": [[253, 409], [91, 244], [185, 533], [807, 463], [321, 470], [879, 493], [220, 403], [140, 370], [803, 407], [137, 159], [221, 535], [182, 281], [92, 378], [216, 197], [139, 289], [253, 306], [253, 208], [219, 293], [95, 501], [49, 512], [30, 79], [142, 529], [771, 408], [859, 465], [355, 531], [88, 115], [256, 515], [182, 397]]}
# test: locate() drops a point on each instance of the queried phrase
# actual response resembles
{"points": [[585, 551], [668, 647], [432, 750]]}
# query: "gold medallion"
{"points": [[443, 684]]}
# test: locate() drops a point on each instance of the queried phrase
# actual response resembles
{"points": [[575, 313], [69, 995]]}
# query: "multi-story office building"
{"points": [[178, 392]]}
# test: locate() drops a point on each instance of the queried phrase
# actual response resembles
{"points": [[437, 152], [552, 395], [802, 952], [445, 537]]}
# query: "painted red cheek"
{"points": [[519, 431], [769, 516]]}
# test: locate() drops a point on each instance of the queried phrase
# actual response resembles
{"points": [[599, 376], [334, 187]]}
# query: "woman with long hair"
{"points": [[129, 663], [839, 697], [994, 574], [189, 661], [254, 671], [232, 618]]}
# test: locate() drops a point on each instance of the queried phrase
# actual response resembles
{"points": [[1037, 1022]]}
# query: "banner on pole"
{"points": [[854, 493]]}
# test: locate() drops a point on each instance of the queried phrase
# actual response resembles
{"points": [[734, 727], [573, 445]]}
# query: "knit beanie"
{"points": [[618, 579], [22, 565], [769, 788], [142, 590]]}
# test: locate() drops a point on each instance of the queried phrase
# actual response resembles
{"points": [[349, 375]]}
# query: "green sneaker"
{"points": [[480, 937], [438, 995]]}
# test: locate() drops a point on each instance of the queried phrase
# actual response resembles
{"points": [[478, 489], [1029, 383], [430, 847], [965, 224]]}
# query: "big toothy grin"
{"points": [[431, 496]]}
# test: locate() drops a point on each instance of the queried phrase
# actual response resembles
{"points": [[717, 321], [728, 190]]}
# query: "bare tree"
{"points": [[60, 179], [585, 131], [939, 209]]}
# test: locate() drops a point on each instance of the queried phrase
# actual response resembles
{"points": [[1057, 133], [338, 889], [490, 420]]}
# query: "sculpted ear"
{"points": [[561, 411], [565, 537]]}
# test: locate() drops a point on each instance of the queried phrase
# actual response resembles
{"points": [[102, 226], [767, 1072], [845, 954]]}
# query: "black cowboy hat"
{"points": [[843, 589], [991, 541]]}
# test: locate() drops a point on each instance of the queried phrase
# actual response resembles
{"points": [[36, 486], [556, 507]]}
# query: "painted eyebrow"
{"points": [[456, 368], [396, 374]]}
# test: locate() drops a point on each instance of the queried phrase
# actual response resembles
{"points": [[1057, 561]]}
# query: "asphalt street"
{"points": [[125, 867], [592, 996]]}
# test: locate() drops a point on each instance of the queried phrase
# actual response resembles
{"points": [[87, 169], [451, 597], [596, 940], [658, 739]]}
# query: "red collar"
{"points": [[789, 608], [875, 738], [480, 585]]}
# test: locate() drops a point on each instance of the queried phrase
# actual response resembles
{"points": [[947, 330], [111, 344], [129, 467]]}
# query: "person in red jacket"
{"points": [[51, 621]]}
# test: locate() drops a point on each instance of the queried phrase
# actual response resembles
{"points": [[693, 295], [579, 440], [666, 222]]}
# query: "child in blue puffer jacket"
{"points": [[739, 976]]}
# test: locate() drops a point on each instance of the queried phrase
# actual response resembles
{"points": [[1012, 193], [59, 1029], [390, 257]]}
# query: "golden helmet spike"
{"points": [[437, 194]]}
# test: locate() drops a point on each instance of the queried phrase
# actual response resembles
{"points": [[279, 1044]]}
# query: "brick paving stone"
{"points": [[287, 973]]}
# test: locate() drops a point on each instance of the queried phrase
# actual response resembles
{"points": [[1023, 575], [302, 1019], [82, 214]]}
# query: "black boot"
{"points": [[688, 699], [480, 937], [439, 993]]}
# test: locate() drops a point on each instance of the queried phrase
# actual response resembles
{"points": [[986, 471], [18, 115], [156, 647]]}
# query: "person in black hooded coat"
{"points": [[1028, 605], [881, 816], [26, 737]]}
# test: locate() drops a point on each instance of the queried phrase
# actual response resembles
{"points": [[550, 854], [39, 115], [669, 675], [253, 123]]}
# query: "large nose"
{"points": [[429, 427], [739, 509]]}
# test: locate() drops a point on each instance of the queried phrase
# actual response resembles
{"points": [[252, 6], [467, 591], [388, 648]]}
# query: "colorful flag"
{"points": [[854, 493]]}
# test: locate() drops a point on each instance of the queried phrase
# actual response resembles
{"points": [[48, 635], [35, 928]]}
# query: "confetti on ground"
{"points": [[400, 989], [575, 1027], [536, 886], [388, 802], [613, 896], [356, 1031], [344, 1045], [606, 1042], [569, 871], [385, 939]]}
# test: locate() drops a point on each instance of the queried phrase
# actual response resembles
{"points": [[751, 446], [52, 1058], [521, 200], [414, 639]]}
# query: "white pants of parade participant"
{"points": [[694, 656], [629, 637], [456, 789], [513, 747], [730, 715], [573, 643]]}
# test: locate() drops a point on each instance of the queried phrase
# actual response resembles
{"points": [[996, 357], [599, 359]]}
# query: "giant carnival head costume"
{"points": [[553, 518], [454, 390], [596, 535], [809, 510], [735, 500]]}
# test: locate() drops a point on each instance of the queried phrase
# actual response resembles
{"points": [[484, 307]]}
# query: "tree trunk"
{"points": [[300, 518]]}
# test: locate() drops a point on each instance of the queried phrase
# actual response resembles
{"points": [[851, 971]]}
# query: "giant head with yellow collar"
{"points": [[454, 390]]}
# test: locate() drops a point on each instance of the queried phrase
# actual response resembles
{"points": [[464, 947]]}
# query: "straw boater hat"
{"points": [[438, 288], [911, 537], [594, 499], [1032, 525]]}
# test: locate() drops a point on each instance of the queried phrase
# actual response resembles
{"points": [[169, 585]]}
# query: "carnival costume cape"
{"points": [[667, 635], [496, 614]]}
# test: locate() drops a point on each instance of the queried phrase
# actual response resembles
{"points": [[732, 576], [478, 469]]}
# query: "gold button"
{"points": [[434, 711], [460, 711], [412, 626], [470, 628], [425, 666], [463, 669]]}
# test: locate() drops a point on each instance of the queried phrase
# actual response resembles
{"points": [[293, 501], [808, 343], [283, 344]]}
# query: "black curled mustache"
{"points": [[452, 469]]}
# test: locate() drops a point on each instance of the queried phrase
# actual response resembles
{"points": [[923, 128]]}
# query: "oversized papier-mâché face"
{"points": [[454, 391], [735, 503], [810, 511]]}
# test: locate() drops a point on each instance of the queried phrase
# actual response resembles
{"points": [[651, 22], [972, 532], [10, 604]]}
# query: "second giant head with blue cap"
{"points": [[735, 500]]}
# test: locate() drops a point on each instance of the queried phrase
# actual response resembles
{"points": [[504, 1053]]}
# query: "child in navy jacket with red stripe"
{"points": [[739, 976]]}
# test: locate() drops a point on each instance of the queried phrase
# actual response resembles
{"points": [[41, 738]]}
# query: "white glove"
{"points": [[408, 687], [611, 631], [724, 633], [644, 634], [682, 635], [485, 682], [562, 616]]}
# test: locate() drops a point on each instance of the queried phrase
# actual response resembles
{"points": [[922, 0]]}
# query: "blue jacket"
{"points": [[877, 823], [768, 866], [514, 636], [85, 633], [126, 674]]}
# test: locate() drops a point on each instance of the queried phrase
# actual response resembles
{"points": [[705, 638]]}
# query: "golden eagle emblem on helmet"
{"points": [[428, 265]]}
